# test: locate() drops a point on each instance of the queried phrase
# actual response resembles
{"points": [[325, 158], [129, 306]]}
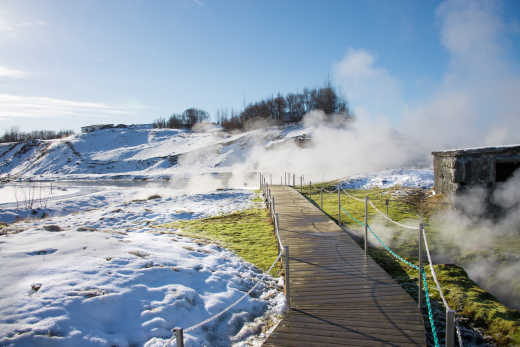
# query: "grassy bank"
{"points": [[247, 233], [463, 295]]}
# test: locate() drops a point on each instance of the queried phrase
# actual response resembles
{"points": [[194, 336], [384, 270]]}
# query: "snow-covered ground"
{"points": [[137, 152], [96, 272], [408, 178]]}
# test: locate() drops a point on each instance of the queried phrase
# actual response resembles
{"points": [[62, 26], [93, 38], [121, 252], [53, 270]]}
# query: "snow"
{"points": [[409, 178], [136, 152], [98, 272], [36, 192], [84, 263]]}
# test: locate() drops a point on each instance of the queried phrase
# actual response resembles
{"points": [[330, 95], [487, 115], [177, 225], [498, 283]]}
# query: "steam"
{"points": [[475, 104], [487, 245]]}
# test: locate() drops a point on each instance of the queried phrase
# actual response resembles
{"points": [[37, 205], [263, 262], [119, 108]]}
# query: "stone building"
{"points": [[456, 170]]}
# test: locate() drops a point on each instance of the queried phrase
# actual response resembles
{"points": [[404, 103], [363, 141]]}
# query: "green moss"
{"points": [[462, 294], [247, 233], [258, 197]]}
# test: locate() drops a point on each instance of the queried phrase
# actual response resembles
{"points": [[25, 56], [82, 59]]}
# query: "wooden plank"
{"points": [[339, 297]]}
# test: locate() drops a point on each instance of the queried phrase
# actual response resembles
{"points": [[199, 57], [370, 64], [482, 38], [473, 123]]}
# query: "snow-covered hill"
{"points": [[136, 152]]}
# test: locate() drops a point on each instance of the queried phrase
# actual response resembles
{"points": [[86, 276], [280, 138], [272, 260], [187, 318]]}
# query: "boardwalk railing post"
{"points": [[287, 283], [419, 294], [179, 336], [321, 198], [294, 180], [386, 202], [273, 207], [339, 205], [366, 226], [450, 328]]}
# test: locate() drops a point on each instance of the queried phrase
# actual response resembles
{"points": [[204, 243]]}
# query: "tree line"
{"points": [[278, 109], [15, 135], [185, 120]]}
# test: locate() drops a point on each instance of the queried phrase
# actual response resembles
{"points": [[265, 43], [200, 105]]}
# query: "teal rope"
{"points": [[413, 266], [352, 217], [427, 295], [381, 241], [430, 313]]}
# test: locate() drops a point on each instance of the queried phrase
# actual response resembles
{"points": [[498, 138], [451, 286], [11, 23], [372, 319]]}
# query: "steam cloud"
{"points": [[475, 104]]}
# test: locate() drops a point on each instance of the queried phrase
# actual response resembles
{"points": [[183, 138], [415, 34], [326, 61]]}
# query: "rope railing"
{"points": [[439, 289], [390, 219], [178, 336], [451, 321], [410, 264], [352, 196]]}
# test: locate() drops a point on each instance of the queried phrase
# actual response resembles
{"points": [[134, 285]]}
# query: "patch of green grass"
{"points": [[258, 197], [473, 302], [247, 233], [462, 294]]}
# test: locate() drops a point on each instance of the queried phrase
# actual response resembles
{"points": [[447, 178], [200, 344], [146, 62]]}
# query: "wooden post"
{"points": [[294, 180], [419, 294], [450, 328], [321, 198], [386, 202], [301, 183], [366, 226], [273, 206], [277, 231], [287, 279], [179, 336], [339, 205]]}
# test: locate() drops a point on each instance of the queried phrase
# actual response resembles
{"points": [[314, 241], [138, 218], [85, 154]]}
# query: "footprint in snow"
{"points": [[42, 251]]}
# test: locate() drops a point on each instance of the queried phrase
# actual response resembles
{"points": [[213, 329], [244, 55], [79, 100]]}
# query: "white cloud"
{"points": [[9, 25], [12, 106], [367, 85], [477, 102], [6, 72]]}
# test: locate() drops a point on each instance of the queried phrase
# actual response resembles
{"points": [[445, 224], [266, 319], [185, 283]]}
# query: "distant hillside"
{"points": [[137, 152]]}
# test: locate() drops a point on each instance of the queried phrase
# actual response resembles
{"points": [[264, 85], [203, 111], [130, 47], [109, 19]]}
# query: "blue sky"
{"points": [[64, 64]]}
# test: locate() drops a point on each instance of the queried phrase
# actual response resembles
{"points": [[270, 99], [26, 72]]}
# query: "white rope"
{"points": [[390, 219], [329, 191], [212, 318], [434, 275], [233, 304], [439, 289], [458, 333], [277, 233], [352, 196]]}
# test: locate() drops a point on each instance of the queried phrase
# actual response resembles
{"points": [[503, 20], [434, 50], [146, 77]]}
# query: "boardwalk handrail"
{"points": [[178, 336], [451, 321]]}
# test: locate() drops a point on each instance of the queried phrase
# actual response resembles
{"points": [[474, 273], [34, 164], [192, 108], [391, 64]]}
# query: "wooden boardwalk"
{"points": [[339, 297]]}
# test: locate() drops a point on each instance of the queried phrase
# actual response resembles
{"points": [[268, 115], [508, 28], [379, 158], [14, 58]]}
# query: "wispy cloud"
{"points": [[18, 106], [10, 26], [475, 103], [365, 83], [6, 72]]}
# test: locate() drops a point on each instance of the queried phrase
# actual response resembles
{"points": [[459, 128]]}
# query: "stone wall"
{"points": [[457, 170]]}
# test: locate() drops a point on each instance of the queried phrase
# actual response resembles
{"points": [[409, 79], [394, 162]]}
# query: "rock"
{"points": [[52, 227]]}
